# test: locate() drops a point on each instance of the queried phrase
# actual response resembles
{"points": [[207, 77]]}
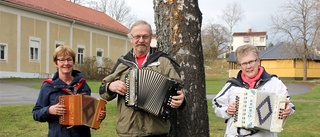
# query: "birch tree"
{"points": [[178, 29]]}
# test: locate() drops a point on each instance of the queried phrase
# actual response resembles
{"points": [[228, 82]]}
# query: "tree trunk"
{"points": [[178, 25], [305, 63]]}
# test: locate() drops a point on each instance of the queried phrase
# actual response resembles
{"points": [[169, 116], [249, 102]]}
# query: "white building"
{"points": [[258, 39]]}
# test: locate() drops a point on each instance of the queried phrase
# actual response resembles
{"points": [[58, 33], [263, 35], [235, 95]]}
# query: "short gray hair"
{"points": [[244, 50], [139, 22]]}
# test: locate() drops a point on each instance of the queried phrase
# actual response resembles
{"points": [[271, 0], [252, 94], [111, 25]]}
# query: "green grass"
{"points": [[17, 121], [213, 85]]}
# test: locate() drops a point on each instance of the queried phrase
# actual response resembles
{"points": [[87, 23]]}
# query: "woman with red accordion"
{"points": [[65, 81]]}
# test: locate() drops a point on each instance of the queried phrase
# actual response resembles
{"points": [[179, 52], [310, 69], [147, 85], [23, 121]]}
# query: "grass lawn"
{"points": [[16, 120]]}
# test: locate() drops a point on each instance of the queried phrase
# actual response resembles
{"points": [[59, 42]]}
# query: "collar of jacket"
{"points": [[75, 73], [152, 56], [263, 79]]}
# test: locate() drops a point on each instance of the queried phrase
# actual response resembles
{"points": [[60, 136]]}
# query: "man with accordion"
{"points": [[147, 85], [255, 103]]}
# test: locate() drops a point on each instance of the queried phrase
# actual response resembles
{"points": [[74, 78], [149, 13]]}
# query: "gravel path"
{"points": [[20, 93]]}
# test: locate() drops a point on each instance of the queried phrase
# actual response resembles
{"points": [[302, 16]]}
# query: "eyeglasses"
{"points": [[244, 64], [137, 37], [69, 60]]}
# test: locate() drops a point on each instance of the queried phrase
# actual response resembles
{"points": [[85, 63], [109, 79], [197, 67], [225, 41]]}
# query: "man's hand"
{"points": [[177, 100], [118, 87]]}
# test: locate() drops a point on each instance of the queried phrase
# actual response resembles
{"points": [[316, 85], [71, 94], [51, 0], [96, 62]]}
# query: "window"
{"points": [[99, 58], [246, 39], [3, 51], [58, 43], [80, 55], [34, 50], [261, 39]]}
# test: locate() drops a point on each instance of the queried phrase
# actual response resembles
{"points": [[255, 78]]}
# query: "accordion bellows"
{"points": [[259, 109], [150, 91], [81, 110]]}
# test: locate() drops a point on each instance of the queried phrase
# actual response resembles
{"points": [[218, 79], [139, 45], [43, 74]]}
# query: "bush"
{"points": [[94, 69]]}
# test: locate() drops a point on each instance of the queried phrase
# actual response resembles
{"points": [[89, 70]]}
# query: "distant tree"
{"points": [[270, 45], [215, 38], [297, 22], [116, 9], [178, 29], [232, 14], [77, 1]]}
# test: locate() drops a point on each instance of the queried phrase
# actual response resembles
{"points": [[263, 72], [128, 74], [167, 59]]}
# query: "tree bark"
{"points": [[178, 29]]}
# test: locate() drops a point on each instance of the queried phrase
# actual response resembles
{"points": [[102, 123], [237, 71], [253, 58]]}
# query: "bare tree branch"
{"points": [[298, 23], [116, 9]]}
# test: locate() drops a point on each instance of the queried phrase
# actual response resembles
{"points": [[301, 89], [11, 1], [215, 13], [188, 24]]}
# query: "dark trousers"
{"points": [[163, 135]]}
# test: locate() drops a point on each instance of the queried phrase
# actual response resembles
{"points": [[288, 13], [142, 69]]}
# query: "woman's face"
{"points": [[64, 65], [249, 65]]}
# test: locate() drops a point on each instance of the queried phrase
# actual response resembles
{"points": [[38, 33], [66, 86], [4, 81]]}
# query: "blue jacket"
{"points": [[49, 95]]}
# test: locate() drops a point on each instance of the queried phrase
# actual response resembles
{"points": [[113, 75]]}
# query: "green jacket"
{"points": [[132, 122]]}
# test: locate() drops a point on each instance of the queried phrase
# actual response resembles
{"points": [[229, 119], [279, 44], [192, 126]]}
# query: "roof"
{"points": [[249, 33], [235, 34], [278, 51], [70, 11]]}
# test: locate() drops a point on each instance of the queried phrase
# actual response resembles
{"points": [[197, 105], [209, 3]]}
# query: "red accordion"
{"points": [[81, 110]]}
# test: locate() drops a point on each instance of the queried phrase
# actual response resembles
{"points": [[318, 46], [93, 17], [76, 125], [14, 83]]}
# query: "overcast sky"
{"points": [[257, 12]]}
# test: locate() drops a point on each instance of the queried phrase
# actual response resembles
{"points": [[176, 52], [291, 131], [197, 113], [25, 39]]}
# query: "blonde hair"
{"points": [[244, 50], [63, 50]]}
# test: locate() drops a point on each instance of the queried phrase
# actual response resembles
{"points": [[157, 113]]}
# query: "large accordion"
{"points": [[260, 110], [150, 91], [81, 110]]}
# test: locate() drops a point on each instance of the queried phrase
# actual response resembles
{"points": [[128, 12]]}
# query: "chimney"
{"points": [[249, 30]]}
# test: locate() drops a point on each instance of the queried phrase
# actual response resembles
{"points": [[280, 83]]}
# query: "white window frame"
{"points": [[5, 52], [78, 54], [35, 58], [58, 43], [246, 39], [262, 39], [100, 62]]}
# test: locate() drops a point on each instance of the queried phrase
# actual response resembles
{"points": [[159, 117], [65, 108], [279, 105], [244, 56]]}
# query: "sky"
{"points": [[257, 12]]}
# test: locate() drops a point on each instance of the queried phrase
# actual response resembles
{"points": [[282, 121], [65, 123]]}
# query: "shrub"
{"points": [[95, 69]]}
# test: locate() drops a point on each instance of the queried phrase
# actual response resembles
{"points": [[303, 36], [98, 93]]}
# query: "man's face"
{"points": [[141, 39]]}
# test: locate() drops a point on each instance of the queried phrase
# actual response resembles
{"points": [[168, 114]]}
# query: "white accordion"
{"points": [[260, 110]]}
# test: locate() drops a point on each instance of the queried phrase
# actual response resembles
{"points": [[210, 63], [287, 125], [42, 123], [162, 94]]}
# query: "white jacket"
{"points": [[227, 96]]}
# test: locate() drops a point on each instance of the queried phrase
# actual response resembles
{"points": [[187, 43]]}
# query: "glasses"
{"points": [[244, 64], [138, 37], [69, 60]]}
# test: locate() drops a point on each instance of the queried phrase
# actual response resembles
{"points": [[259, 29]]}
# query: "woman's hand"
{"points": [[57, 109], [231, 109]]}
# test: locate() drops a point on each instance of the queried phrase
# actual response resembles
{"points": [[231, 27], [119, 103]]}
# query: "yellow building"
{"points": [[283, 62], [30, 30]]}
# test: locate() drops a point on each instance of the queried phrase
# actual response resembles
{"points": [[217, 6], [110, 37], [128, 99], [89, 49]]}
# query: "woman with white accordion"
{"points": [[252, 81]]}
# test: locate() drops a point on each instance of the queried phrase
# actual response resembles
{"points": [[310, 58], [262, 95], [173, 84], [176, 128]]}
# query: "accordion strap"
{"points": [[253, 131]]}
